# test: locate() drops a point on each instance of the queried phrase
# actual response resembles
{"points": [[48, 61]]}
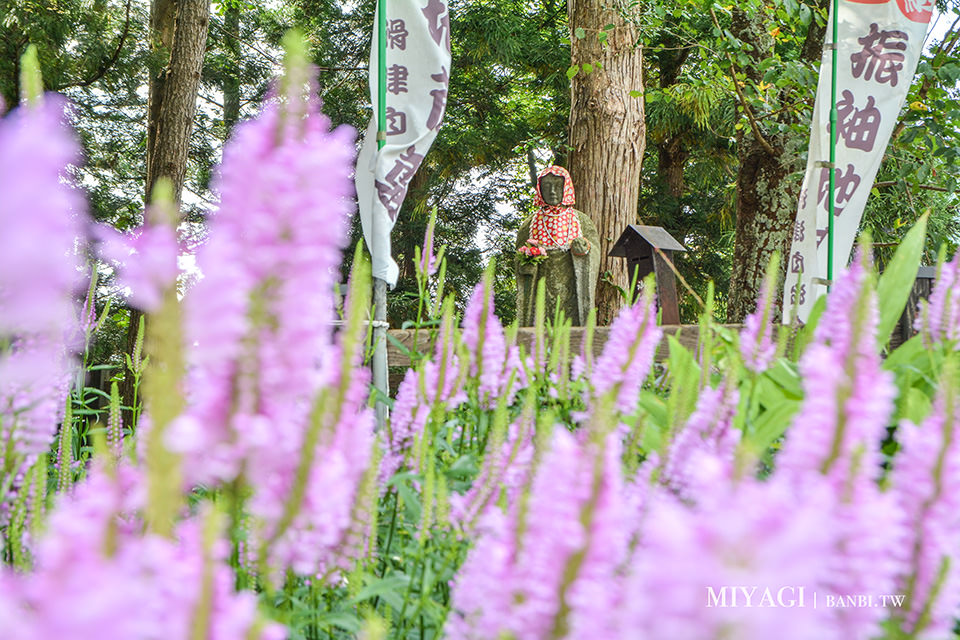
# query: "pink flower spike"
{"points": [[146, 259]]}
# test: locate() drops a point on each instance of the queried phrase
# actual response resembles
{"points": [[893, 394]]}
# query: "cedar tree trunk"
{"points": [[607, 134]]}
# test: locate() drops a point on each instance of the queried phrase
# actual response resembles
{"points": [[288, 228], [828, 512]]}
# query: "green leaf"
{"points": [[464, 466], [905, 354], [587, 68], [772, 423], [639, 94], [914, 405], [572, 71], [389, 589], [784, 374], [580, 33], [897, 280]]}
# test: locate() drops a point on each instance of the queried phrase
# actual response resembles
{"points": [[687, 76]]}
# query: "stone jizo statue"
{"points": [[560, 246]]}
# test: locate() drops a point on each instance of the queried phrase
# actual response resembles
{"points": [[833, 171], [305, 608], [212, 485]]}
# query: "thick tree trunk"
{"points": [[181, 28], [766, 193], [766, 208], [607, 135], [179, 32]]}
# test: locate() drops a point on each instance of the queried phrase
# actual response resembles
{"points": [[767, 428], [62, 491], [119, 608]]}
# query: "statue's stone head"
{"points": [[551, 189], [555, 187]]}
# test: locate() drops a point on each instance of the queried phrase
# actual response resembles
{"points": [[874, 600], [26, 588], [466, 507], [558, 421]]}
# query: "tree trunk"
{"points": [[671, 161], [607, 135], [766, 208], [179, 36], [231, 79], [766, 193], [180, 27]]}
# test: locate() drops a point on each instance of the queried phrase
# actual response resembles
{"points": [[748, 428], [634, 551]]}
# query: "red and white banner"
{"points": [[879, 43], [418, 74]]}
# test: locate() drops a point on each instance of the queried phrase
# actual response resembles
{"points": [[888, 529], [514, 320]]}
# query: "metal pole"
{"points": [[380, 378], [833, 142]]}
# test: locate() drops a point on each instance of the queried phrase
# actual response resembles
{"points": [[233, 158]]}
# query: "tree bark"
{"points": [[671, 161], [766, 208], [179, 36], [179, 26], [607, 135], [766, 193], [231, 79]]}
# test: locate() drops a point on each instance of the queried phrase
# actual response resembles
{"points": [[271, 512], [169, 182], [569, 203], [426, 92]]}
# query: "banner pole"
{"points": [[380, 373], [831, 204]]}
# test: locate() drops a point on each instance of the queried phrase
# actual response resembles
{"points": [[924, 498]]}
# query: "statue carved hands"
{"points": [[580, 246]]}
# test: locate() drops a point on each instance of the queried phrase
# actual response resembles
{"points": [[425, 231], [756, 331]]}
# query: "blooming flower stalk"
{"points": [[277, 401], [497, 368], [939, 318], [702, 454], [926, 481], [756, 340], [97, 576], [837, 435], [43, 217], [690, 562], [547, 567], [628, 354]]}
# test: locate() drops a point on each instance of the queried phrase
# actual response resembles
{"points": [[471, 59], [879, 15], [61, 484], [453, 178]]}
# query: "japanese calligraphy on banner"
{"points": [[418, 74], [878, 46]]}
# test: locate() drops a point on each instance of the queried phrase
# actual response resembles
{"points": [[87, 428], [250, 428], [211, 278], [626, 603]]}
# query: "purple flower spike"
{"points": [[939, 319], [42, 216], [701, 456], [98, 576], [490, 359], [628, 354], [746, 566], [926, 482], [756, 340], [848, 397], [147, 261], [836, 436], [550, 570]]}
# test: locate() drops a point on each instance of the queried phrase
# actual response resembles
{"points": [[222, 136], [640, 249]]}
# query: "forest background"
{"points": [[718, 108]]}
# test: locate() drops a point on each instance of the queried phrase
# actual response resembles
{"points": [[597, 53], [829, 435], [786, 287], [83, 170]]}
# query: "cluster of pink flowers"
{"points": [[628, 354], [436, 386], [547, 567], [266, 366], [703, 453], [43, 217], [578, 554], [503, 476], [496, 367], [97, 575], [926, 480], [939, 318]]}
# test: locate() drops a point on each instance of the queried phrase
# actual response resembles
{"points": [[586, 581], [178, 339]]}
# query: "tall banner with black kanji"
{"points": [[879, 43], [418, 74]]}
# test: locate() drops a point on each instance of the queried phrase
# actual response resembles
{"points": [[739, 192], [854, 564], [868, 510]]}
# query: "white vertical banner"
{"points": [[418, 74], [879, 43]]}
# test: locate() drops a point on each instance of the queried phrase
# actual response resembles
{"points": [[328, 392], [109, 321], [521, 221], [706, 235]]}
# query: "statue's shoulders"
{"points": [[587, 226], [523, 233]]}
